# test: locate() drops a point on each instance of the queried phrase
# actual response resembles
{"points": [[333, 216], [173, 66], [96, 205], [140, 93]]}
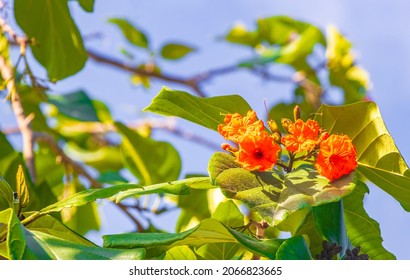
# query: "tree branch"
{"points": [[77, 168], [145, 73]]}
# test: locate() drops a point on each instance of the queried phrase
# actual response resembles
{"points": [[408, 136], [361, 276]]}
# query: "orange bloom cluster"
{"points": [[256, 149]]}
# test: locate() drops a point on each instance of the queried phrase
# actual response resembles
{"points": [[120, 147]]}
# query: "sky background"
{"points": [[379, 31]]}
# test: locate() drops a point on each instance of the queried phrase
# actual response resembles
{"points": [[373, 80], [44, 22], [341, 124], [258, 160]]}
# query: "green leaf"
{"points": [[6, 193], [194, 207], [180, 187], [272, 196], [105, 158], [329, 221], [208, 231], [134, 35], [208, 112], [61, 249], [58, 45], [180, 253], [264, 247], [149, 160], [22, 189], [362, 230], [308, 229], [85, 197], [277, 30], [15, 241], [51, 226], [87, 5], [75, 105], [294, 248], [228, 214], [238, 34], [343, 72], [174, 51], [378, 157]]}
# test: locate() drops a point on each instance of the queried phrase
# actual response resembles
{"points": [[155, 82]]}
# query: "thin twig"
{"points": [[77, 168], [143, 72]]}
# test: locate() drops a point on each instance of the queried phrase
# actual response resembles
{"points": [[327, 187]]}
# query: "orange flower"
{"points": [[303, 136], [236, 126], [337, 157], [257, 152]]}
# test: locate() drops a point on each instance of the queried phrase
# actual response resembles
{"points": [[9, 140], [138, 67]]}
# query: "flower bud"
{"points": [[296, 113], [286, 123], [273, 126]]}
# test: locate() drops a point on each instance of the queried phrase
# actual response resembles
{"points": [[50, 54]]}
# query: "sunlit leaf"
{"points": [[228, 214], [6, 193], [58, 45], [208, 112], [15, 241], [51, 226], [149, 160], [180, 253], [238, 34], [174, 51], [379, 159], [208, 231], [362, 230], [61, 249], [272, 196], [134, 35]]}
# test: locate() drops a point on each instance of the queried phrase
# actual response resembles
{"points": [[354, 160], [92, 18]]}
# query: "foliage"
{"points": [[49, 192]]}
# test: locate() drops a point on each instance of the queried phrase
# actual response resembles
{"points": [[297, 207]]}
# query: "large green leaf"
{"points": [[194, 207], [51, 226], [134, 35], [180, 253], [379, 159], [229, 214], [180, 187], [272, 196], [13, 231], [6, 195], [61, 249], [149, 160], [75, 105], [329, 221], [58, 45], [208, 231], [362, 230], [208, 112]]}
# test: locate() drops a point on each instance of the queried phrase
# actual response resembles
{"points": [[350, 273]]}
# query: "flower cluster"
{"points": [[255, 148]]}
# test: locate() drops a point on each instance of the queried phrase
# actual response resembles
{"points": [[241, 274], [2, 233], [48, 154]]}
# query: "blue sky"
{"points": [[379, 31]]}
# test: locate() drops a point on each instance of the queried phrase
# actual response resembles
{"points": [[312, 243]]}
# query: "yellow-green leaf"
{"points": [[378, 157]]}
